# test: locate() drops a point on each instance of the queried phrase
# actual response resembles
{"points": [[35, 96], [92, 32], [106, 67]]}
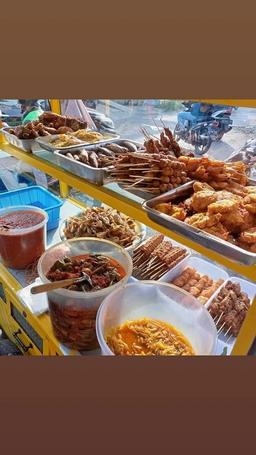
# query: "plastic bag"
{"points": [[40, 177], [77, 109]]}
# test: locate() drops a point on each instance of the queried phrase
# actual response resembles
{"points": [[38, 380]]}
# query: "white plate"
{"points": [[140, 229]]}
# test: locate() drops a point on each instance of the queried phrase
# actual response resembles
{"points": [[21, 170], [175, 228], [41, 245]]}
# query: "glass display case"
{"points": [[207, 129]]}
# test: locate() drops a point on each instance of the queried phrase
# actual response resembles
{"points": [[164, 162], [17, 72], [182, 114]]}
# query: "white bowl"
{"points": [[162, 301]]}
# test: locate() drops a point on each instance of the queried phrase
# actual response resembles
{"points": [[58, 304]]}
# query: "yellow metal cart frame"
{"points": [[48, 344]]}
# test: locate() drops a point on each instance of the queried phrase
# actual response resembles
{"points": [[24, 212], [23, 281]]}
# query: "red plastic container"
{"points": [[22, 235]]}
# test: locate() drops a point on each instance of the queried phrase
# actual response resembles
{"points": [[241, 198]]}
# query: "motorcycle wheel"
{"points": [[175, 133], [202, 149], [220, 136]]}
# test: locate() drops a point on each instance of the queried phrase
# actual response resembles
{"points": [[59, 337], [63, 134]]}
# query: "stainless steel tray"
{"points": [[45, 142], [209, 241], [97, 176], [94, 175], [141, 194], [23, 144]]}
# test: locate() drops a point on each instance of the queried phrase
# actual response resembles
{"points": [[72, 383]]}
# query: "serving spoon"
{"points": [[60, 284]]}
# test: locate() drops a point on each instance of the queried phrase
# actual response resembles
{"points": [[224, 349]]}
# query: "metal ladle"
{"points": [[60, 284]]}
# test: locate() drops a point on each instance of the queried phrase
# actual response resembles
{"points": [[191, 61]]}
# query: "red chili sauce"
{"points": [[18, 250]]}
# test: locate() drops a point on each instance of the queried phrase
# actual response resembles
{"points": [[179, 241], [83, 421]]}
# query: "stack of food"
{"points": [[103, 223], [221, 176], [229, 308], [166, 144], [160, 169], [47, 124], [224, 214], [150, 173], [200, 286], [156, 257]]}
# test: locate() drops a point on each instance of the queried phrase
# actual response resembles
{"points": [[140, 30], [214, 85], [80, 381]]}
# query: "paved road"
{"points": [[129, 121]]}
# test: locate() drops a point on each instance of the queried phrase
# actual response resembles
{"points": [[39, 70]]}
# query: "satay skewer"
{"points": [[146, 189], [136, 183]]}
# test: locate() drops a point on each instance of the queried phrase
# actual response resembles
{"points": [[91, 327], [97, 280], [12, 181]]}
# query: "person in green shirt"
{"points": [[30, 109]]}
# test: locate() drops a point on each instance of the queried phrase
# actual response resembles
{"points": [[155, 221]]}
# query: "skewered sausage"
{"points": [[131, 147]]}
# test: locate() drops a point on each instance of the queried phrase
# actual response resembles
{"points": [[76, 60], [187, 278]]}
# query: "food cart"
{"points": [[32, 333]]}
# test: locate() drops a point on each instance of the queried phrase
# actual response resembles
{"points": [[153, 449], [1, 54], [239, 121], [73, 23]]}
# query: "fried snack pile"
{"points": [[166, 145], [148, 337], [61, 121], [47, 124], [103, 223], [221, 213], [150, 173], [229, 308], [200, 286], [156, 172], [155, 257], [219, 175]]}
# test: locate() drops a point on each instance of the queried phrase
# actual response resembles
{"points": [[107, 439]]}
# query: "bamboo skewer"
{"points": [[135, 183]]}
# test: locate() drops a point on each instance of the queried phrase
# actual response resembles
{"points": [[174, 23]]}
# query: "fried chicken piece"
{"points": [[250, 189], [64, 130], [238, 220], [248, 246], [219, 230], [201, 186], [228, 185], [187, 204], [179, 213], [248, 236], [209, 223], [173, 210], [164, 208], [224, 194], [223, 206], [250, 203], [201, 199], [57, 121], [202, 220]]}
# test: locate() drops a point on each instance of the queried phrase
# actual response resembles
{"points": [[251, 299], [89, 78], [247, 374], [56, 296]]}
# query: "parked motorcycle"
{"points": [[211, 127]]}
